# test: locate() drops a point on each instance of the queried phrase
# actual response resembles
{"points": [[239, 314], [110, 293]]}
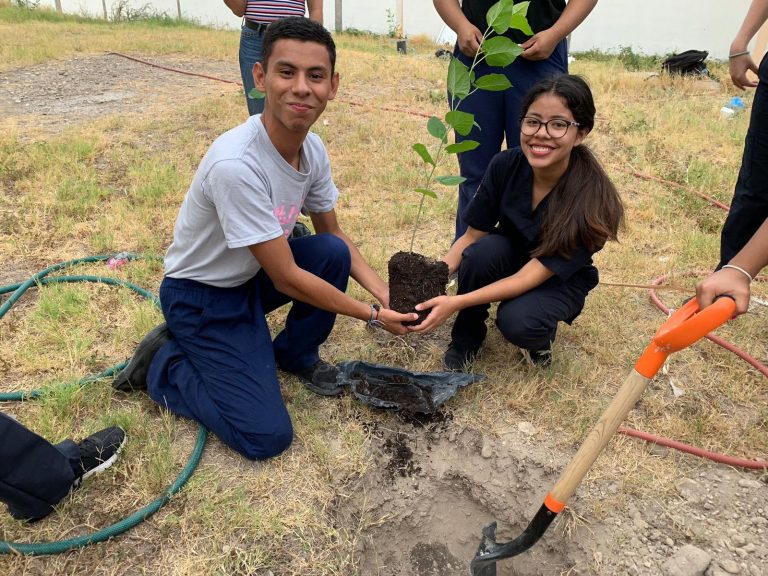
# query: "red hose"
{"points": [[178, 71], [696, 451]]}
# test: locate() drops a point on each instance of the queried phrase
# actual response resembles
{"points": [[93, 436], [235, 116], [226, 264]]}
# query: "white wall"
{"points": [[647, 26], [662, 26]]}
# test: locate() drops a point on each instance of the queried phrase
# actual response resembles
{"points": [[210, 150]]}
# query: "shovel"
{"points": [[681, 329]]}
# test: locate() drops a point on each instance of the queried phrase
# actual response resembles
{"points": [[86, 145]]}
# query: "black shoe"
{"points": [[98, 452], [320, 378], [456, 360], [299, 231], [134, 375]]}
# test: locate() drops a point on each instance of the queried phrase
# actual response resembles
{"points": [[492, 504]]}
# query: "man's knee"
{"points": [[265, 443]]}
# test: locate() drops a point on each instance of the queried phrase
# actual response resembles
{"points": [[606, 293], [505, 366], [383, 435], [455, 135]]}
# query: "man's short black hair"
{"points": [[297, 28]]}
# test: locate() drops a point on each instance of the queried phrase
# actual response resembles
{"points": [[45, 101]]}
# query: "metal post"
{"points": [[178, 8], [337, 16]]}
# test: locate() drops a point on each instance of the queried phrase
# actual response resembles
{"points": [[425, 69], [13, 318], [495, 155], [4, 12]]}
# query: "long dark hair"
{"points": [[584, 207]]}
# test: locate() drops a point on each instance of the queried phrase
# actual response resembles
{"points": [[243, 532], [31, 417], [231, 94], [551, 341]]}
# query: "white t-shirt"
{"points": [[244, 193]]}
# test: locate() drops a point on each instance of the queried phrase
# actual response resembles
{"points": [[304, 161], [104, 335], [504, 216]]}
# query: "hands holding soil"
{"points": [[442, 308]]}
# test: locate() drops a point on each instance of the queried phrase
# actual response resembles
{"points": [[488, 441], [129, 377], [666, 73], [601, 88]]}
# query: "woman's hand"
{"points": [[442, 308], [724, 282]]}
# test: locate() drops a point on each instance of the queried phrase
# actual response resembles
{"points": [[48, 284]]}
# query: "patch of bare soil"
{"points": [[425, 502], [53, 96]]}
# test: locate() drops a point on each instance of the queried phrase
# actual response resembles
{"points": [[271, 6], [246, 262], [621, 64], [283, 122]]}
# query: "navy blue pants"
{"points": [[498, 115], [34, 474], [220, 367], [528, 321], [749, 207]]}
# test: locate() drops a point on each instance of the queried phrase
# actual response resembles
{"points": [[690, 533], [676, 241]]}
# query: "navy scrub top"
{"points": [[502, 204]]}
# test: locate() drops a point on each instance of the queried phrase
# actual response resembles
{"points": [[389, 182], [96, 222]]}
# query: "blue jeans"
{"points": [[34, 474], [220, 367], [250, 53], [498, 115], [749, 207]]}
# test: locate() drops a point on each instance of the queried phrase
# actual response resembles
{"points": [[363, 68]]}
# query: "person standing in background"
{"points": [[257, 15], [498, 113], [749, 207]]}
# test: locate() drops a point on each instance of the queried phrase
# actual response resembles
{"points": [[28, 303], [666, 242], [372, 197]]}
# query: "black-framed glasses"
{"points": [[556, 127]]}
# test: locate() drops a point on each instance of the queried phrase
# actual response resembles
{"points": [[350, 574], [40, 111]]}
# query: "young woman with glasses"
{"points": [[542, 210]]}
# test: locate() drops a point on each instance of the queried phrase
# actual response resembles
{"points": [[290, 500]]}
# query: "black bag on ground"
{"points": [[688, 63], [390, 387]]}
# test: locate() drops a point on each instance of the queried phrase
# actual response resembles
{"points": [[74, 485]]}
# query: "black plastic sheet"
{"points": [[395, 388]]}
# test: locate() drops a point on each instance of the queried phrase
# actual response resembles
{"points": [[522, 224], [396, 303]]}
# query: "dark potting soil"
{"points": [[401, 461], [413, 279], [394, 388]]}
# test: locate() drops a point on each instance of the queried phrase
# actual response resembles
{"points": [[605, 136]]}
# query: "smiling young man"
{"points": [[231, 262]]}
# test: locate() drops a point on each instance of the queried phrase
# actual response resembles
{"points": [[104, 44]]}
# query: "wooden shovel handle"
{"points": [[682, 329], [628, 395]]}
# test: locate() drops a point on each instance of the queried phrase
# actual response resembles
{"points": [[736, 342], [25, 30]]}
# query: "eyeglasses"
{"points": [[556, 128]]}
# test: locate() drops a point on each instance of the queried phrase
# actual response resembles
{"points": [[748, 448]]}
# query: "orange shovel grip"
{"points": [[686, 326]]}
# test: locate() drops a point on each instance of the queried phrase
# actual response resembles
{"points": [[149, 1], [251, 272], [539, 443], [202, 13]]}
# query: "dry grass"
{"points": [[116, 184]]}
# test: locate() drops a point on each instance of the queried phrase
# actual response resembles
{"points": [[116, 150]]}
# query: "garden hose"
{"points": [[42, 278]]}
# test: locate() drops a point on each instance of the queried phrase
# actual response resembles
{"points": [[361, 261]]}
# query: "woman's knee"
{"points": [[525, 329]]}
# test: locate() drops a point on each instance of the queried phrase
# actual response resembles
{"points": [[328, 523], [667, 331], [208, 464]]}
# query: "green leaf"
{"points": [[499, 14], [422, 151], [426, 192], [450, 180], [254, 94], [462, 122], [458, 79], [518, 22], [500, 51], [493, 82], [519, 18], [463, 146], [437, 129]]}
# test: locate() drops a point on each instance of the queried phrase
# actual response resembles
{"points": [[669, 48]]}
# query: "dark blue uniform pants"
{"points": [[34, 474], [220, 367], [498, 115], [749, 207], [528, 321]]}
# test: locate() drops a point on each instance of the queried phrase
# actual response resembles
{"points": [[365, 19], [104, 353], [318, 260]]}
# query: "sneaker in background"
{"points": [[98, 452], [134, 375], [320, 378]]}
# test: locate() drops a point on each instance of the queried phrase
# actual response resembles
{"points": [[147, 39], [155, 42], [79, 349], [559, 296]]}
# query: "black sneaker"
{"points": [[456, 360], [299, 231], [320, 378], [98, 452], [134, 375]]}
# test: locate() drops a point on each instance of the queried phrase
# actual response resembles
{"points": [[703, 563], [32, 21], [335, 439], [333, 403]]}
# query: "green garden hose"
{"points": [[42, 278]]}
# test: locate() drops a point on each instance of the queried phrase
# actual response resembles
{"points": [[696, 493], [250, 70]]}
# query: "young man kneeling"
{"points": [[231, 261]]}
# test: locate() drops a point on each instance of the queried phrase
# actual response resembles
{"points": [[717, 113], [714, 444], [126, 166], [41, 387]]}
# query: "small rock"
{"points": [[487, 451], [730, 566], [738, 540], [526, 428], [748, 483], [669, 542], [688, 561], [750, 547]]}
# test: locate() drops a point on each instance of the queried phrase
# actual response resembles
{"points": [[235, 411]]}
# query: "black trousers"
{"points": [[749, 207], [34, 474], [528, 321]]}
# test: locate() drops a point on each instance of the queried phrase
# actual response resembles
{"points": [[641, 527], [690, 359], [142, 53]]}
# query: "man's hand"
{"points": [[540, 46], [469, 39], [724, 282], [392, 321], [442, 308], [738, 67]]}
